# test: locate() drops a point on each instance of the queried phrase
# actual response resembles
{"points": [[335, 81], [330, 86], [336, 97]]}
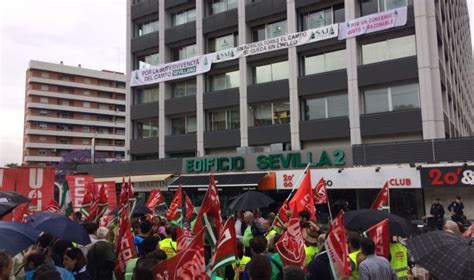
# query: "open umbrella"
{"points": [[10, 200], [251, 200], [361, 220], [59, 226], [15, 237], [141, 209], [445, 255]]}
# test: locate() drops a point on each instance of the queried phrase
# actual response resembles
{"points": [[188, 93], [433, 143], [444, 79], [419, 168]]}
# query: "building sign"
{"points": [[265, 162], [171, 71], [354, 178], [373, 23], [279, 43], [448, 176]]}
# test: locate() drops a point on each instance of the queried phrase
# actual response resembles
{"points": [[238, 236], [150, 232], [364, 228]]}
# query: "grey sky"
{"points": [[86, 32]]}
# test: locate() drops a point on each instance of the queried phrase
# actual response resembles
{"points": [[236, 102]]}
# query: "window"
{"points": [[119, 143], [63, 102], [44, 75], [87, 80], [86, 129], [326, 107], [268, 31], [44, 87], [148, 27], [43, 112], [183, 125], [63, 77], [224, 81], [184, 88], [389, 49], [219, 6], [183, 17], [43, 126], [104, 107], [396, 98], [269, 113], [87, 92], [43, 139], [271, 72], [66, 90], [385, 5], [44, 100], [42, 152], [86, 116], [318, 19], [223, 42], [184, 52], [86, 104], [148, 61], [103, 130], [222, 120], [325, 62], [147, 128], [85, 141], [146, 95], [65, 115]]}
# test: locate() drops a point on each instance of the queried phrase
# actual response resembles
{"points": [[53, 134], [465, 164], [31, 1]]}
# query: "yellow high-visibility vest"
{"points": [[353, 257], [169, 246], [399, 261]]}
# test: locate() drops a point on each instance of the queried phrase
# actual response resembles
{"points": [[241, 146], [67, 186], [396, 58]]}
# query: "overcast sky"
{"points": [[86, 32]]}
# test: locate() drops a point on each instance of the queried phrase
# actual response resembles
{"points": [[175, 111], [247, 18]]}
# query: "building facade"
{"points": [[388, 90], [72, 108]]}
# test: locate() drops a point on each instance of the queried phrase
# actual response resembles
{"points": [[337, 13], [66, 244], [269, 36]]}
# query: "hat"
{"points": [[310, 235]]}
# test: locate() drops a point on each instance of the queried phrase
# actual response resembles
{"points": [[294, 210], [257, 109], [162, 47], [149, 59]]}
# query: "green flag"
{"points": [[66, 203]]}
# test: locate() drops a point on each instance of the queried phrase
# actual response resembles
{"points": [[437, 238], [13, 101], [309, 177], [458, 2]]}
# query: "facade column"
{"points": [[200, 118], [245, 75], [128, 95], [431, 99], [163, 21], [292, 23], [352, 54]]}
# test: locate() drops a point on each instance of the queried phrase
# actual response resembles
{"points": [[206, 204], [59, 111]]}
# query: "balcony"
{"points": [[30, 105], [75, 85], [222, 139], [75, 97], [144, 42], [144, 146], [324, 129], [31, 131], [74, 121], [270, 134], [391, 123], [73, 147], [180, 143]]}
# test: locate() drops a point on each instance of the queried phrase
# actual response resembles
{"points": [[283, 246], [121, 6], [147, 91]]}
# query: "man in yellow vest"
{"points": [[310, 236], [241, 262], [353, 241], [169, 243], [399, 259]]}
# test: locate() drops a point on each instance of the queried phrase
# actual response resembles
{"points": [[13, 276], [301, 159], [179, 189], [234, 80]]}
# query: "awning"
{"points": [[136, 179], [230, 180]]}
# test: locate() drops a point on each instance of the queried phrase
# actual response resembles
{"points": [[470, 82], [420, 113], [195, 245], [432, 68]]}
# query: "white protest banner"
{"points": [[278, 43], [373, 23], [171, 71]]}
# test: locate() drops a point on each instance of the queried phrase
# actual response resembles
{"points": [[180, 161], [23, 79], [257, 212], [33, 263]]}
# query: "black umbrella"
{"points": [[141, 209], [251, 200], [10, 200], [15, 237], [445, 255], [361, 220], [59, 226]]}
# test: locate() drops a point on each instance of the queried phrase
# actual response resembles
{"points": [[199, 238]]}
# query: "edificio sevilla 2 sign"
{"points": [[265, 161]]}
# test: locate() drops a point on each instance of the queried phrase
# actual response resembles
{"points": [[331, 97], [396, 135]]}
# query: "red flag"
{"points": [[337, 248], [189, 207], [382, 198], [110, 193], [124, 245], [53, 206], [155, 199], [379, 233], [77, 188], [7, 179], [32, 180], [183, 238], [210, 212], [188, 264], [226, 247], [290, 246], [126, 196], [303, 198], [282, 217], [320, 192], [175, 206], [26, 209], [90, 207]]}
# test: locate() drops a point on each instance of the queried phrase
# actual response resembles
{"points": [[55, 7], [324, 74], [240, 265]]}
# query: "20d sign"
{"points": [[449, 176]]}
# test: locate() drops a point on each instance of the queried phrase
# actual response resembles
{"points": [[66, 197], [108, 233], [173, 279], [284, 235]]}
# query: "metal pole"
{"points": [[93, 150], [299, 180]]}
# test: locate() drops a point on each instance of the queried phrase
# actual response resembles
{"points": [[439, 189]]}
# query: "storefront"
{"points": [[446, 182]]}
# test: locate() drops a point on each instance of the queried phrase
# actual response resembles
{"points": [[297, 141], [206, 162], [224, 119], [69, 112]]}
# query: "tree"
{"points": [[71, 160], [11, 165]]}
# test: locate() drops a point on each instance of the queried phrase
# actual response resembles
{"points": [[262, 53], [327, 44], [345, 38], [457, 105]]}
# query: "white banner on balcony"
{"points": [[171, 71], [373, 23], [279, 43]]}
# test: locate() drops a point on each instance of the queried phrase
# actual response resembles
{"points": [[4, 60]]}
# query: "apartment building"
{"points": [[72, 108]]}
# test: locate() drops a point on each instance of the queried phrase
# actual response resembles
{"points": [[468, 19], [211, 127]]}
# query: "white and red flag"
{"points": [[53, 206], [226, 247], [156, 198], [174, 211], [380, 234], [124, 245], [184, 236], [382, 198], [338, 250], [290, 246], [320, 192], [303, 198], [189, 207]]}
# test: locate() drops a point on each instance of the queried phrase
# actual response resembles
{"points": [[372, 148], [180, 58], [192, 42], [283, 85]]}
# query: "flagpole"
{"points": [[329, 206]]}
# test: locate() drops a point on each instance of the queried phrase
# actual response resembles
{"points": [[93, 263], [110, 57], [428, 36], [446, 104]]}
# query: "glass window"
{"points": [[233, 119], [148, 61], [389, 49], [42, 152], [218, 120], [270, 113], [87, 80], [147, 95], [405, 97], [43, 126], [84, 129], [314, 64], [44, 75], [376, 101], [222, 120], [335, 60], [148, 27], [191, 126], [147, 128], [385, 5], [86, 104], [43, 112], [178, 126], [43, 139], [44, 87], [43, 99], [271, 72], [337, 106], [318, 19], [225, 42], [185, 52], [219, 6], [225, 81], [270, 30], [184, 88], [315, 108], [325, 62], [183, 17]]}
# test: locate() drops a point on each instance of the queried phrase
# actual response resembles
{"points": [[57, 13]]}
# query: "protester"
{"points": [[46, 272], [239, 221], [75, 262], [259, 268], [143, 269], [310, 236], [293, 273], [258, 216], [169, 244], [6, 265], [242, 261], [148, 245], [34, 260], [452, 227], [252, 229], [373, 266], [144, 231], [275, 259], [319, 268], [57, 251], [456, 209], [77, 217], [437, 211], [156, 225], [101, 257], [353, 242], [399, 259]]}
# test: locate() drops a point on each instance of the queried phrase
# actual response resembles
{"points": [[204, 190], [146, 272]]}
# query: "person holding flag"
{"points": [[169, 245]]}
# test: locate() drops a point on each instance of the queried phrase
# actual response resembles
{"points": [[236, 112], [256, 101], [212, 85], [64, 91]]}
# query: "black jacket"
{"points": [[437, 210], [101, 261], [456, 208], [85, 275], [319, 267]]}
